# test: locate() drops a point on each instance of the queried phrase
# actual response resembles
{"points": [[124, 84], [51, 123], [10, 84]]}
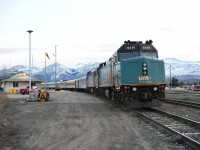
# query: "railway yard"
{"points": [[75, 120]]}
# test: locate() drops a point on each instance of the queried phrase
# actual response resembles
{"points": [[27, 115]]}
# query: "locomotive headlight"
{"points": [[145, 68], [155, 88], [144, 64], [144, 73], [134, 89], [117, 88]]}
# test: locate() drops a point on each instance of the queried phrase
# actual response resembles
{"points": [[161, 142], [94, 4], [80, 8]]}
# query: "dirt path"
{"points": [[72, 121]]}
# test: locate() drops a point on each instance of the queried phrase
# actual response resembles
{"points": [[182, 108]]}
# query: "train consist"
{"points": [[133, 76]]}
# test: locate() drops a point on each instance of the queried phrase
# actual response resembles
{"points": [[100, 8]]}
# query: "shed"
{"points": [[18, 81]]}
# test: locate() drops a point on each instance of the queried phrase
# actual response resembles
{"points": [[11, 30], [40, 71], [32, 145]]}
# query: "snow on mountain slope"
{"points": [[183, 70], [180, 68]]}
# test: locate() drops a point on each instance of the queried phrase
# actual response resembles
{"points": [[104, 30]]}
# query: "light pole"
{"points": [[170, 78], [55, 65], [29, 31], [45, 74]]}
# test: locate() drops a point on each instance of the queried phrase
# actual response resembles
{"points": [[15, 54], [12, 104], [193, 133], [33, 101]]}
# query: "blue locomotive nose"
{"points": [[142, 71]]}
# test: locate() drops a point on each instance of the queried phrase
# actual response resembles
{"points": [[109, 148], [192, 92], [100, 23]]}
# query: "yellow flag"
{"points": [[47, 55]]}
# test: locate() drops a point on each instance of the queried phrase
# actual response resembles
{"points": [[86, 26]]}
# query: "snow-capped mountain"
{"points": [[65, 73], [186, 71], [21, 68], [62, 72], [18, 68], [181, 68]]}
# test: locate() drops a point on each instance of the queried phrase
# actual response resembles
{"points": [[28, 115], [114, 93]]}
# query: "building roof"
{"points": [[21, 77]]}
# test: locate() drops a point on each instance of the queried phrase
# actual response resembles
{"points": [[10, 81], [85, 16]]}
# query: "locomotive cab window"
{"points": [[128, 55], [149, 54]]}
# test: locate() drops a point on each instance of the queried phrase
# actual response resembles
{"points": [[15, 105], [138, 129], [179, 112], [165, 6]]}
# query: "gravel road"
{"points": [[73, 121]]}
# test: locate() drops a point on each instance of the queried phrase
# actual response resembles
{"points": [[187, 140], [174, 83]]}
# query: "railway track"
{"points": [[185, 129], [181, 102]]}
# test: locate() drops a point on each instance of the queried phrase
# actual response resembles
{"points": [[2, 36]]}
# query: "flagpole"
{"points": [[45, 70], [55, 66], [45, 78]]}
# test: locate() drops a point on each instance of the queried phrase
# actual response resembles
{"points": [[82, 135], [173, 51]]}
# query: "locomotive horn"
{"points": [[150, 41]]}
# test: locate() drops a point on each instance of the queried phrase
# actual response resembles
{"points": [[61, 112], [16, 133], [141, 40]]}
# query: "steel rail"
{"points": [[180, 102], [193, 143]]}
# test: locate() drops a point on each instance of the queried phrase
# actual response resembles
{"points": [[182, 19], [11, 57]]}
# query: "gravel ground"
{"points": [[68, 121], [74, 124], [185, 95], [187, 112], [7, 125], [153, 138]]}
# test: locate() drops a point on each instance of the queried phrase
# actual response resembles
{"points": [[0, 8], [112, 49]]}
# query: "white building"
{"points": [[18, 81]]}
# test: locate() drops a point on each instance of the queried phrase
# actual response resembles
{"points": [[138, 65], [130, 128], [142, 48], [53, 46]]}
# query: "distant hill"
{"points": [[63, 72], [186, 71]]}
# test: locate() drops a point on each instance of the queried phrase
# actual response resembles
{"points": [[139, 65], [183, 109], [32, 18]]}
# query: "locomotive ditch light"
{"points": [[118, 88], [134, 89], [125, 87], [155, 88]]}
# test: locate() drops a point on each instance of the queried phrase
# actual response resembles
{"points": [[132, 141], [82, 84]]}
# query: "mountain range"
{"points": [[185, 71], [62, 72]]}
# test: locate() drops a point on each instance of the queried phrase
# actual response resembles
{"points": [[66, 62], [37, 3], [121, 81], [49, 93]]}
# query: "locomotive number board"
{"points": [[134, 47], [131, 47], [144, 47]]}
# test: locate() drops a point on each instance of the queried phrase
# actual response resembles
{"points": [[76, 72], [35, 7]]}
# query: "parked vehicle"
{"points": [[26, 90], [57, 87]]}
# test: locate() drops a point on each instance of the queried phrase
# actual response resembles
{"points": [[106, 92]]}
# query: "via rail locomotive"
{"points": [[133, 76]]}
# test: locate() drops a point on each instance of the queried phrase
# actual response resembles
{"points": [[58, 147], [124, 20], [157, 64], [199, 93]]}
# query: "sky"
{"points": [[87, 31]]}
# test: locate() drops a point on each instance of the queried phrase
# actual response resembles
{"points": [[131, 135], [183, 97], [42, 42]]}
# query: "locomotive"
{"points": [[133, 76]]}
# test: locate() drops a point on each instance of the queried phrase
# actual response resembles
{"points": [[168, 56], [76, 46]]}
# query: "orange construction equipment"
{"points": [[43, 96]]}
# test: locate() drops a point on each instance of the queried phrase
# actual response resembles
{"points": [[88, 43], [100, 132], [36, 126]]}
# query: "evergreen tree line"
{"points": [[175, 83]]}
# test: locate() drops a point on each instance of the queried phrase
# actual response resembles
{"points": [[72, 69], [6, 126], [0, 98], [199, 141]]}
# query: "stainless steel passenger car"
{"points": [[90, 81], [68, 85], [80, 84]]}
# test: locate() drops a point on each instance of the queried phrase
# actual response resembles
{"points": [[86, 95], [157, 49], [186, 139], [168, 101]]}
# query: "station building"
{"points": [[13, 84]]}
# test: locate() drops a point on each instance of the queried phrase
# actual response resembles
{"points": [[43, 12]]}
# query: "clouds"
{"points": [[92, 30], [11, 50]]}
